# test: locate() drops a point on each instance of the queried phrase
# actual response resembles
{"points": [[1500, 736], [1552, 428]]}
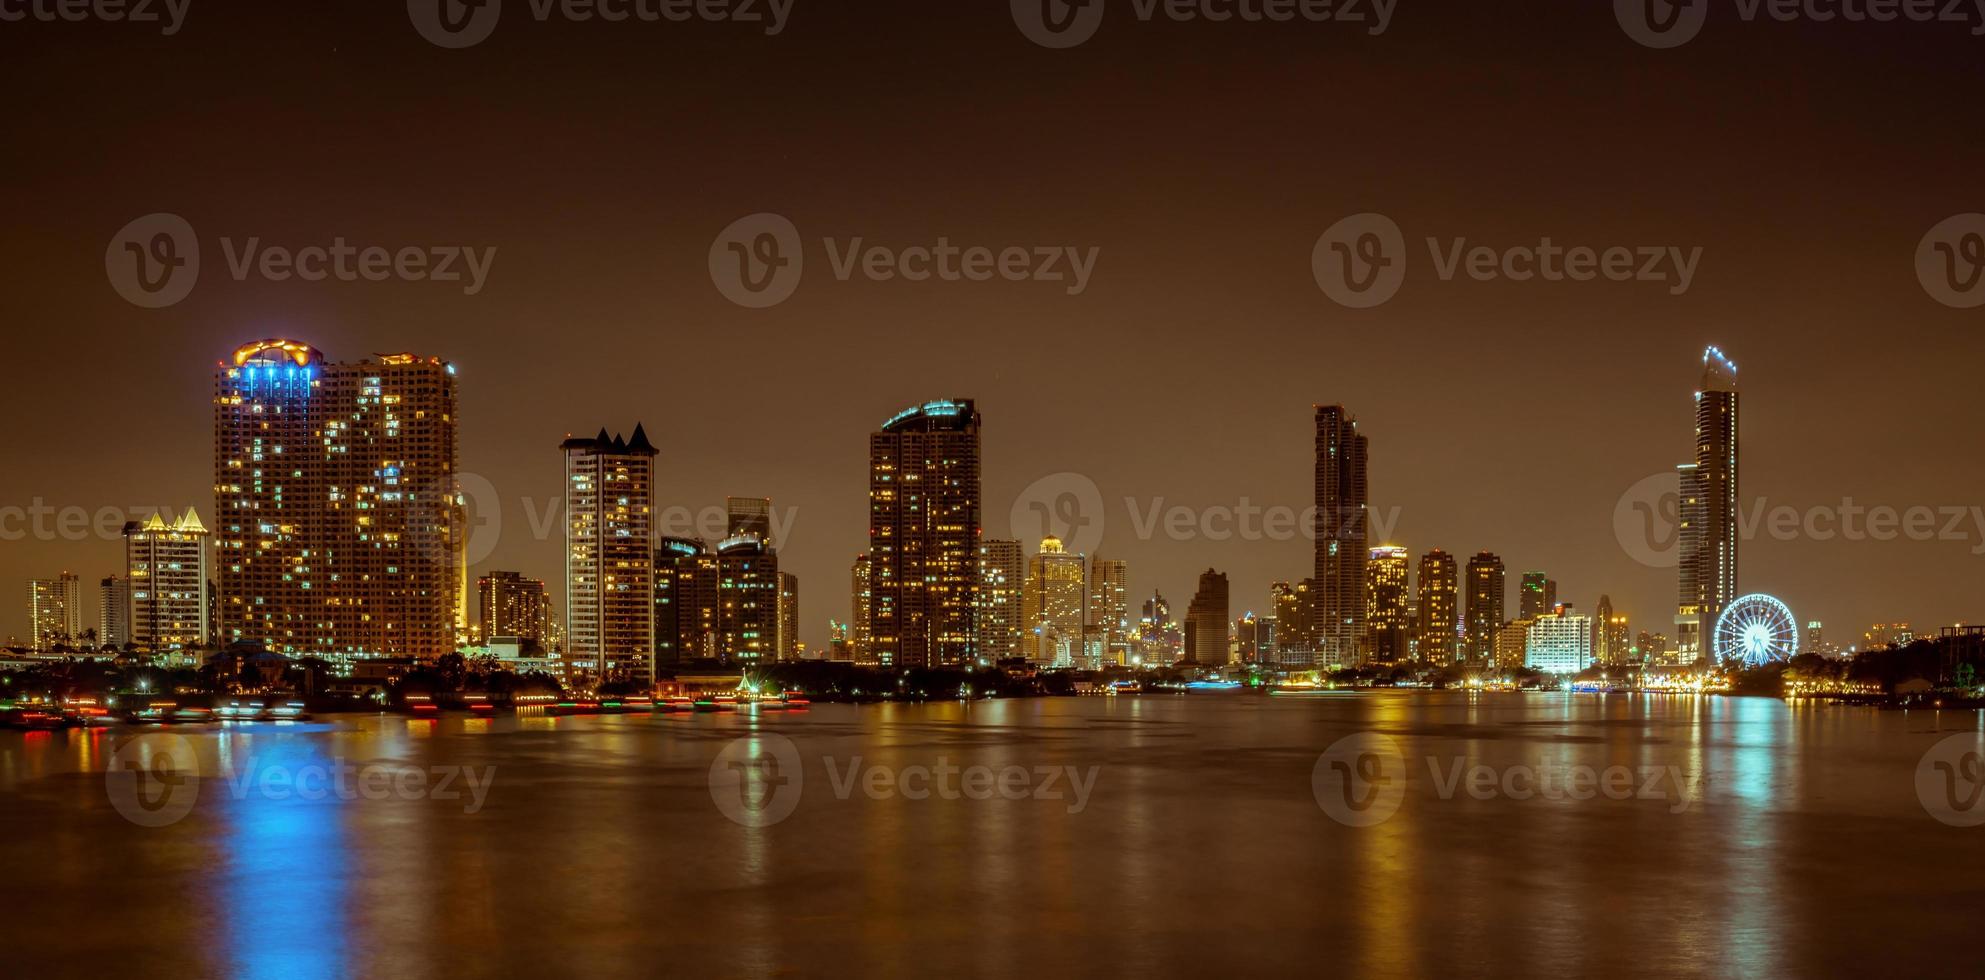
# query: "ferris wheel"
{"points": [[1757, 629]]}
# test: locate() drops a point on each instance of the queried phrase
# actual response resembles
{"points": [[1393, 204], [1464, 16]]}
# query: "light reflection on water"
{"points": [[1201, 851]]}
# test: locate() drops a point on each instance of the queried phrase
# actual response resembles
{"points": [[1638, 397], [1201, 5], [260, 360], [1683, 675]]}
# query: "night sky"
{"points": [[1203, 160]]}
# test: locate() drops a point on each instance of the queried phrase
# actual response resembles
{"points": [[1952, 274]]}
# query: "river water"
{"points": [[1381, 834]]}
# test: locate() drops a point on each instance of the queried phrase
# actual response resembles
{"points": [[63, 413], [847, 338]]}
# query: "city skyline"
{"points": [[813, 628]]}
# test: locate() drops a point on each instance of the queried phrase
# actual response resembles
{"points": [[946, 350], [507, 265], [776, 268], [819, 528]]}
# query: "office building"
{"points": [[1559, 642], [686, 602], [1534, 596], [1109, 605], [748, 583]]}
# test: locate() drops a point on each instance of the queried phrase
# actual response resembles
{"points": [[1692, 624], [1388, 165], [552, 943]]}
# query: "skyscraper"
{"points": [[166, 565], [924, 528], [339, 522], [861, 638], [1386, 589], [609, 569], [114, 612], [748, 583], [1002, 580], [1559, 642], [1486, 596], [1612, 643], [686, 601], [1340, 530], [1206, 622], [508, 604], [1533, 596], [789, 616], [1109, 605], [1708, 509], [1052, 609], [55, 610], [1439, 608]]}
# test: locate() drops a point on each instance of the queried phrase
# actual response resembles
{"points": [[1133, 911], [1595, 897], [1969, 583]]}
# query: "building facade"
{"points": [[924, 531], [609, 564], [55, 611], [114, 612], [1341, 528], [166, 566], [686, 602], [1109, 606], [509, 604], [1440, 613], [338, 518], [1386, 593], [1206, 643], [1002, 584], [1559, 643], [1486, 597], [1052, 610], [1707, 512]]}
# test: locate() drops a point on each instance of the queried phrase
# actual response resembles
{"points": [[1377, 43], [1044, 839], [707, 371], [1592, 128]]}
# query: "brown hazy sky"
{"points": [[1203, 160]]}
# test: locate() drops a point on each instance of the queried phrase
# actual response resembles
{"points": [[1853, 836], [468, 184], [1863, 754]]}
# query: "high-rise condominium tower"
{"points": [[609, 569], [1002, 582], [1341, 528], [1386, 591], [1109, 606], [747, 601], [338, 520], [166, 565], [55, 610], [749, 517], [686, 601], [1534, 595], [1052, 609], [1486, 596], [1439, 608], [114, 612], [1206, 622], [508, 604], [862, 637], [1707, 536], [924, 528]]}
